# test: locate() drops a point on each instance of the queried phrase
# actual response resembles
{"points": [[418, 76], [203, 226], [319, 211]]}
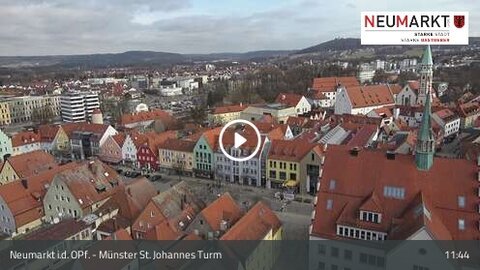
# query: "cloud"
{"points": [[36, 27]]}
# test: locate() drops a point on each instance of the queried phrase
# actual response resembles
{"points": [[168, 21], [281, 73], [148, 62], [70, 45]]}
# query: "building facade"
{"points": [[78, 106]]}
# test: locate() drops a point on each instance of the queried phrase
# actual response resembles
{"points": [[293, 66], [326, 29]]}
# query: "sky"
{"points": [[42, 27]]}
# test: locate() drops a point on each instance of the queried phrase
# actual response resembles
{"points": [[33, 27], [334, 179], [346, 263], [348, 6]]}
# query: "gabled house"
{"points": [[133, 140], [87, 138], [217, 218], [176, 208], [300, 103], [223, 114], [121, 211], [323, 90], [26, 165], [54, 139], [5, 146], [111, 150], [80, 192], [148, 153], [363, 99], [469, 113], [25, 142], [21, 201], [203, 153]]}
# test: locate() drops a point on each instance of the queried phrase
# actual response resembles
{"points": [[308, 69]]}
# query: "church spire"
{"points": [[425, 148], [426, 76]]}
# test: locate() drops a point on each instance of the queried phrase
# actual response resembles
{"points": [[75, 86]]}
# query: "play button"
{"points": [[230, 137], [239, 140]]}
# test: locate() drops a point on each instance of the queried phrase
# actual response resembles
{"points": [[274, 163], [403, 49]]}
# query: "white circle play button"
{"points": [[239, 140]]}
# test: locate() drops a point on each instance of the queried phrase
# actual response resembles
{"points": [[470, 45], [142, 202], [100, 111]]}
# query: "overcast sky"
{"points": [[41, 27]]}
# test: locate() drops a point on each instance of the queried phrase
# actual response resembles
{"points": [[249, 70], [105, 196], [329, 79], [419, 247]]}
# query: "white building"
{"points": [[448, 120], [366, 73], [78, 106], [363, 99], [300, 103], [324, 90]]}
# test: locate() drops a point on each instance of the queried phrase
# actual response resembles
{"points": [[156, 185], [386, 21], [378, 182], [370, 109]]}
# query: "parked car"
{"points": [[155, 178]]}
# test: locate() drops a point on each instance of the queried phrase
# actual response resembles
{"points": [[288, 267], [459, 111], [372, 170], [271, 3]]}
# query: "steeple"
{"points": [[425, 148], [426, 76]]}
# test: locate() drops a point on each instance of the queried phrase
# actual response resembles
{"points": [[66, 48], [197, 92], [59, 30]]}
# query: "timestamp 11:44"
{"points": [[457, 255]]}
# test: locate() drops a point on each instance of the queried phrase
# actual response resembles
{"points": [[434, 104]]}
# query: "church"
{"points": [[414, 93]]}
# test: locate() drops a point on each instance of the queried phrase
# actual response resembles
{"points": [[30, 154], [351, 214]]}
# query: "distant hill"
{"points": [[131, 58], [338, 44]]}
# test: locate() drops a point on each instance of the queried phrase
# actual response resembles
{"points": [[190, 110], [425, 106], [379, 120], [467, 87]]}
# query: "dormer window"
{"points": [[370, 217]]}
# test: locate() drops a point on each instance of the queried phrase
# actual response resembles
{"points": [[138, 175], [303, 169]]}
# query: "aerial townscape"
{"points": [[127, 153], [337, 141]]}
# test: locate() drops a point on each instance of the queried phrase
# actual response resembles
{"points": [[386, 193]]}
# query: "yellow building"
{"points": [[293, 164], [224, 114], [5, 119], [176, 155]]}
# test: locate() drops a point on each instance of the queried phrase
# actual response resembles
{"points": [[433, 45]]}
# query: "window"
{"points": [[329, 204], [348, 255], [283, 176], [334, 252], [461, 201], [333, 184], [394, 192], [293, 176], [363, 258], [334, 267], [321, 249], [461, 224], [321, 266]]}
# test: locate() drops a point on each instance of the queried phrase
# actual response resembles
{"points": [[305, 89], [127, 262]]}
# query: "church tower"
{"points": [[426, 76], [425, 148]]}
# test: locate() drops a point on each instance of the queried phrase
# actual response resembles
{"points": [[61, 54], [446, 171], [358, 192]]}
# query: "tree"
{"points": [[406, 76], [380, 76], [198, 114], [42, 115]]}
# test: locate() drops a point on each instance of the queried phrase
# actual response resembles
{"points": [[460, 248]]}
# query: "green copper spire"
{"points": [[425, 141], [427, 56]]}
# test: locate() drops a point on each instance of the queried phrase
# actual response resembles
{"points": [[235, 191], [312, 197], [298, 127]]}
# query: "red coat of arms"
{"points": [[459, 21]]}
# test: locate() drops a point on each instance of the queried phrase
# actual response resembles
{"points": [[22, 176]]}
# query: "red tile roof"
{"points": [[156, 114], [121, 235], [371, 173], [163, 232], [370, 95], [230, 108], [363, 136], [24, 138], [223, 208], [31, 163], [91, 182], [289, 99], [178, 145], [48, 132], [131, 199], [329, 84], [254, 225], [99, 129], [469, 109], [119, 138], [154, 139], [60, 231], [293, 150]]}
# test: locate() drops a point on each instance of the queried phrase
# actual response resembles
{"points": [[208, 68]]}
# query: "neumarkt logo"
{"points": [[414, 28]]}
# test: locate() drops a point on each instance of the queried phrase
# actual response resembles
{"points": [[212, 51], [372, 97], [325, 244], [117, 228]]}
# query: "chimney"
{"points": [[396, 113], [129, 192], [354, 151], [390, 155], [223, 225], [25, 183]]}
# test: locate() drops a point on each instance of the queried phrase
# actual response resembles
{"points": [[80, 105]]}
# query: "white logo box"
{"points": [[414, 28]]}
